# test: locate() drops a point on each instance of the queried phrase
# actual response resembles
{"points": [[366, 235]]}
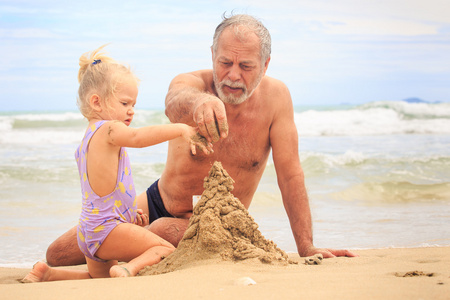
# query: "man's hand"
{"points": [[211, 118], [327, 253], [141, 218]]}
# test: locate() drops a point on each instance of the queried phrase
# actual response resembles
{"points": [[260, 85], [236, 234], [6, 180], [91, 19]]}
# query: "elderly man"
{"points": [[244, 114]]}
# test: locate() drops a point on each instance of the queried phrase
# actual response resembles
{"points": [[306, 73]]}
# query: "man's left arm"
{"points": [[284, 142]]}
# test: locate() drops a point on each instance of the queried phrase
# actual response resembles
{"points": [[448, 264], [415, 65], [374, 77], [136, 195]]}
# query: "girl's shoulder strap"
{"points": [[91, 130]]}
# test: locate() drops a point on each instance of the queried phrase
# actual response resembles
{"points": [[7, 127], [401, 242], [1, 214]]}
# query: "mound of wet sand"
{"points": [[220, 228]]}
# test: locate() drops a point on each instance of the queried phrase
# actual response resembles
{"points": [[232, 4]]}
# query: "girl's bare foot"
{"points": [[119, 271], [40, 272]]}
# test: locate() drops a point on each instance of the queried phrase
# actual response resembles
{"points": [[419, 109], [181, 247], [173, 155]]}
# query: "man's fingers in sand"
{"points": [[202, 130], [222, 123], [343, 253], [325, 253], [216, 123], [211, 119], [213, 131], [207, 128], [330, 253]]}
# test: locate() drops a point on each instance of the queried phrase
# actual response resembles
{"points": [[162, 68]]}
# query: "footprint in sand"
{"points": [[414, 274], [428, 261]]}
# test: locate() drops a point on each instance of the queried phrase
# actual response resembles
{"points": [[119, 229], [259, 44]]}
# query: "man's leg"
{"points": [[64, 251], [170, 229]]}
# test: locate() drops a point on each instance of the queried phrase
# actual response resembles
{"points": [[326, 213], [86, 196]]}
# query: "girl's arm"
{"points": [[121, 135]]}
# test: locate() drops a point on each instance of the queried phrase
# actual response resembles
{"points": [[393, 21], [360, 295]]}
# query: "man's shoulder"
{"points": [[274, 87], [202, 74], [205, 76], [201, 79], [272, 82]]}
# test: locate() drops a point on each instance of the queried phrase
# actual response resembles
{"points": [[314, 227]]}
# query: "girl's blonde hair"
{"points": [[99, 74]]}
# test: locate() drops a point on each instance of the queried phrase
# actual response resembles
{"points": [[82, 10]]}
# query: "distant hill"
{"points": [[418, 100]]}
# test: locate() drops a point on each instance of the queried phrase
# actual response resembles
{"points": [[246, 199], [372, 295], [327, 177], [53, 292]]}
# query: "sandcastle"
{"points": [[220, 227]]}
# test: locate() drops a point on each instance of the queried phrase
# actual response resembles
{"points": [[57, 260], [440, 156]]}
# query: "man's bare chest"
{"points": [[246, 147]]}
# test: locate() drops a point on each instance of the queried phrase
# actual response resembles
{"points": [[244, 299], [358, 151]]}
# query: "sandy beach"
{"points": [[223, 255], [375, 274]]}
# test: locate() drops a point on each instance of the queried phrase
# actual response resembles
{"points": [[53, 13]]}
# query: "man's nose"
{"points": [[235, 73]]}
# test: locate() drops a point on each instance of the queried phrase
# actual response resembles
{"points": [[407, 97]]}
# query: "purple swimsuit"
{"points": [[100, 215]]}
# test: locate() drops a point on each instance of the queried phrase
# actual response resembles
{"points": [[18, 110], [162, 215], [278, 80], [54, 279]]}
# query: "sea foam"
{"points": [[376, 118]]}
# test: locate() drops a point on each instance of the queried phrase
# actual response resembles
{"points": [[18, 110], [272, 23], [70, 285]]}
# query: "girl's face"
{"points": [[122, 105]]}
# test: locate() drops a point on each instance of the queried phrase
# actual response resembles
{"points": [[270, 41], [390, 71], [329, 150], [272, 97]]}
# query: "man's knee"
{"points": [[53, 254], [170, 229], [64, 251]]}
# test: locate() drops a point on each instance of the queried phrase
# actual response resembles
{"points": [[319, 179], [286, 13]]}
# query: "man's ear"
{"points": [[266, 65], [94, 101]]}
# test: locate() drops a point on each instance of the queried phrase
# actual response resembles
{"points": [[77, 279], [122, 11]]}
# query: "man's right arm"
{"points": [[188, 101]]}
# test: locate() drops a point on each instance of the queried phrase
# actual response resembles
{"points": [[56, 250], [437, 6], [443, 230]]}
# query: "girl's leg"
{"points": [[150, 257], [135, 245], [43, 272], [99, 269]]}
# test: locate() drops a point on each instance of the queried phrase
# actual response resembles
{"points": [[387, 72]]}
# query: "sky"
{"points": [[328, 52]]}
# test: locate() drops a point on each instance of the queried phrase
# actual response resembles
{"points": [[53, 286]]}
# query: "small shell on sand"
{"points": [[244, 281]]}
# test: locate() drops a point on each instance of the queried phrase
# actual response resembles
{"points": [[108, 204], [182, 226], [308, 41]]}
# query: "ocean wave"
{"points": [[59, 128], [356, 167], [412, 110], [353, 158], [376, 118], [317, 164], [65, 120], [41, 120], [149, 117], [391, 192], [42, 136]]}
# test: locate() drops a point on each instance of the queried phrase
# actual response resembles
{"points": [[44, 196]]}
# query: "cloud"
{"points": [[385, 27], [28, 33], [316, 43], [361, 17]]}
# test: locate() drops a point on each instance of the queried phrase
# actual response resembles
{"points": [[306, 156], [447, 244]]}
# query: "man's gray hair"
{"points": [[248, 22]]}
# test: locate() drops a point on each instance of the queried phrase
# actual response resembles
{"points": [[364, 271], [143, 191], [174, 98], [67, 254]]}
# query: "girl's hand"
{"points": [[192, 136], [141, 218]]}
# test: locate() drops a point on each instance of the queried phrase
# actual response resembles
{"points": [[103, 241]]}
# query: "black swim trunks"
{"points": [[156, 207]]}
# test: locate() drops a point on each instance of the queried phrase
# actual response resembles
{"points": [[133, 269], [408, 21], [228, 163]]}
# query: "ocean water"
{"points": [[378, 175]]}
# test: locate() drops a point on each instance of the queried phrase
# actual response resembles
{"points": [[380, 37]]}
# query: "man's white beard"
{"points": [[231, 98]]}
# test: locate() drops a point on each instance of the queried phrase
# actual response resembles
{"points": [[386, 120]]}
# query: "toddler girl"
{"points": [[108, 229]]}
